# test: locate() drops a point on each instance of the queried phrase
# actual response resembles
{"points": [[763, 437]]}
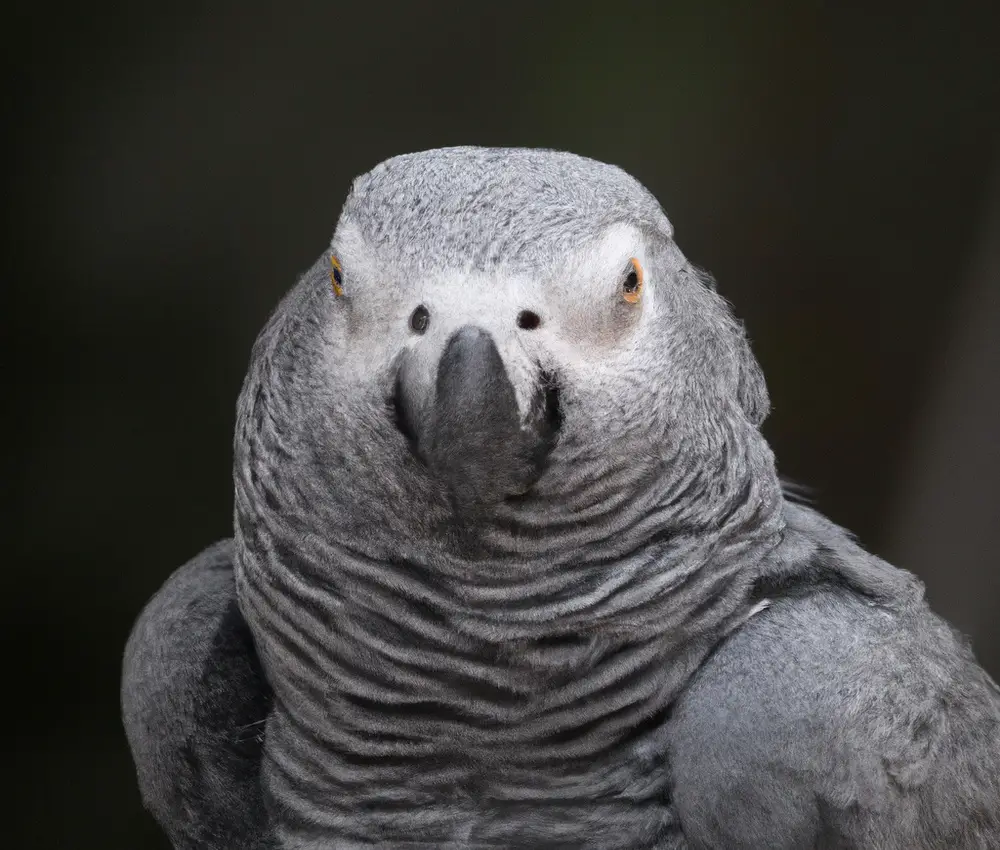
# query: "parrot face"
{"points": [[499, 348]]}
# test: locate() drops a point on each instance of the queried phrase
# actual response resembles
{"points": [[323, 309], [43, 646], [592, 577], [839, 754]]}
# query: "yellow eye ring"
{"points": [[336, 276], [632, 285]]}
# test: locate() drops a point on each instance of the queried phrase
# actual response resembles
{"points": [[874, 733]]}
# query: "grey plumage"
{"points": [[536, 584], [194, 701]]}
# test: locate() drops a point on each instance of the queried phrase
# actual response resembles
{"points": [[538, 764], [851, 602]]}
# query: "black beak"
{"points": [[473, 435]]}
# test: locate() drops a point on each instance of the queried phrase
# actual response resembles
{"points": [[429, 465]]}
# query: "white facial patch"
{"points": [[595, 272]]}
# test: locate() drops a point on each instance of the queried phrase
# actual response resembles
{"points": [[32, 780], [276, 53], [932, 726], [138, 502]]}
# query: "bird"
{"points": [[512, 565]]}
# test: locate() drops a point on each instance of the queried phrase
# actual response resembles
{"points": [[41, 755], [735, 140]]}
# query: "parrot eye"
{"points": [[632, 285], [419, 319], [336, 276]]}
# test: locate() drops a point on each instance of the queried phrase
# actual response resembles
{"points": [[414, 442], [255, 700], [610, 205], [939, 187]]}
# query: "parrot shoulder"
{"points": [[194, 704], [830, 720]]}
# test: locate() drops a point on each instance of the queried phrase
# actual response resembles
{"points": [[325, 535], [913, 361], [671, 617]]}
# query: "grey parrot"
{"points": [[512, 565]]}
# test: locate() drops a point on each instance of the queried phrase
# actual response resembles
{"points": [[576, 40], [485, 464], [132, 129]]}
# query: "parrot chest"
{"points": [[467, 789], [408, 731]]}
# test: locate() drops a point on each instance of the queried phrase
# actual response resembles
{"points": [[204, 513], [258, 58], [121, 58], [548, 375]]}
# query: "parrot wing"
{"points": [[195, 703], [831, 721]]}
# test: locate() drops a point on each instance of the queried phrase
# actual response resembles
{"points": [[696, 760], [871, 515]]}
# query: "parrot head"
{"points": [[502, 350]]}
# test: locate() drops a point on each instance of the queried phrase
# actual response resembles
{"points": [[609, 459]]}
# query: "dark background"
{"points": [[837, 169]]}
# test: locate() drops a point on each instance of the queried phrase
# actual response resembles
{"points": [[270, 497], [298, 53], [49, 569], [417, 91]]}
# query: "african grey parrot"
{"points": [[513, 567]]}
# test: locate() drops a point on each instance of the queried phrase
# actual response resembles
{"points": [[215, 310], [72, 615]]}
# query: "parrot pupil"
{"points": [[631, 282], [419, 319]]}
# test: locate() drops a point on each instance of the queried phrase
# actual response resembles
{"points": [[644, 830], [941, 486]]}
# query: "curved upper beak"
{"points": [[471, 432]]}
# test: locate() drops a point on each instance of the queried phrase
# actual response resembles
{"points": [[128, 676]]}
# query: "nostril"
{"points": [[419, 319], [528, 320]]}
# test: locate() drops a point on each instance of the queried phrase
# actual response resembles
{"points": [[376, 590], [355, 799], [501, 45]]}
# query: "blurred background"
{"points": [[176, 166]]}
